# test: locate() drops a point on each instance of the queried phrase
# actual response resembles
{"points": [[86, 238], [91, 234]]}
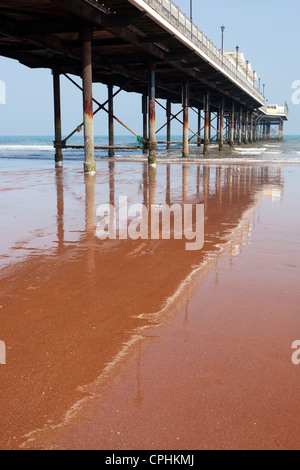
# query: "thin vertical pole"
{"points": [[240, 126], [169, 110], [88, 117], [269, 131], [264, 130], [246, 127], [251, 128], [207, 124], [152, 118], [221, 137], [231, 141], [111, 120], [185, 104], [199, 128], [57, 119], [145, 122]]}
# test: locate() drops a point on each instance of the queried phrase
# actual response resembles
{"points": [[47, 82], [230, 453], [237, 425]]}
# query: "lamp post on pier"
{"points": [[237, 57], [222, 29]]}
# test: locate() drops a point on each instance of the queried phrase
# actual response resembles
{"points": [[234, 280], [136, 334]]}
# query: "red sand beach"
{"points": [[142, 344]]}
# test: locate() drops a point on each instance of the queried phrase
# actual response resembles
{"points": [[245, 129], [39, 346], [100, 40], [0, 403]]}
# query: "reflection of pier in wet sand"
{"points": [[81, 313]]}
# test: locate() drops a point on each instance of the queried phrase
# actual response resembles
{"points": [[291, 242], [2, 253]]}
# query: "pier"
{"points": [[148, 47]]}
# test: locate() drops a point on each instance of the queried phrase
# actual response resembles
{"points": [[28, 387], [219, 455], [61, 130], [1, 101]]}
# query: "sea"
{"points": [[39, 149]]}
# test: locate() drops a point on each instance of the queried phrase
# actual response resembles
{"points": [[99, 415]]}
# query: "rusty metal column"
{"points": [[251, 129], [169, 110], [281, 129], [145, 122], [247, 127], [221, 138], [88, 116], [240, 126], [152, 120], [207, 124], [111, 152], [57, 119], [268, 131], [264, 130], [231, 141], [199, 128], [185, 105]]}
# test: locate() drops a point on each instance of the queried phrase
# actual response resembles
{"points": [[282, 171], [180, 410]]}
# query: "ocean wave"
{"points": [[271, 152], [27, 147]]}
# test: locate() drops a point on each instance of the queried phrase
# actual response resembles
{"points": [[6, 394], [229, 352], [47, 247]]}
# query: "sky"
{"points": [[267, 32]]}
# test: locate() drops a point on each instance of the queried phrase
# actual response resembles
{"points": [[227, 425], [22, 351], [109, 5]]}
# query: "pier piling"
{"points": [[111, 151], [221, 138], [231, 140], [152, 118], [199, 140], [207, 124], [240, 126], [145, 122], [251, 128], [247, 127], [88, 115], [185, 105], [57, 119], [168, 113]]}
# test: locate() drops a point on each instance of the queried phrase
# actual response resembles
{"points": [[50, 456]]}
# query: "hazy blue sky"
{"points": [[267, 32]]}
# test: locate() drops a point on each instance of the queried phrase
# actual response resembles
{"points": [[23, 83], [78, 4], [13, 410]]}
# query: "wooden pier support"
{"points": [[207, 124], [240, 126], [57, 119], [185, 105], [169, 117], [221, 138], [152, 118], [145, 122], [111, 133], [88, 116], [231, 138]]}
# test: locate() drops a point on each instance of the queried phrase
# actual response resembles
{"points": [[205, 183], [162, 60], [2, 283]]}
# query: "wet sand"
{"points": [[143, 345]]}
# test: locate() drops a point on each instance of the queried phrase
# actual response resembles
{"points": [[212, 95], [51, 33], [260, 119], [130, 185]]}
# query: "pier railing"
{"points": [[172, 13]]}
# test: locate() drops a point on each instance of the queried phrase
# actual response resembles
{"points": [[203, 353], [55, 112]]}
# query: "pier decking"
{"points": [[143, 46]]}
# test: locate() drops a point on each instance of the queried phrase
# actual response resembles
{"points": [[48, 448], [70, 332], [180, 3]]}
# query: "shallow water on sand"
{"points": [[142, 344]]}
